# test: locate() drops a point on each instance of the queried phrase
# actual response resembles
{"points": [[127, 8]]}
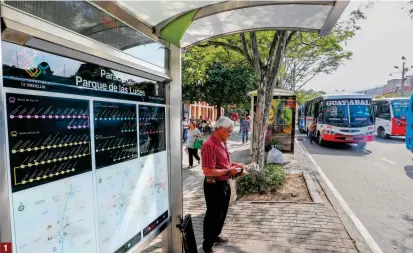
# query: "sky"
{"points": [[385, 36]]}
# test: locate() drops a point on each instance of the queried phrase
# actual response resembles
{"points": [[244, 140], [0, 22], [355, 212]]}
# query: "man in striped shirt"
{"points": [[217, 168]]}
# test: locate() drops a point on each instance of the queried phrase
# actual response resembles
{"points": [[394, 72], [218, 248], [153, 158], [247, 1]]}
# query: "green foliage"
{"points": [[304, 95], [195, 62], [274, 177], [251, 183], [226, 85]]}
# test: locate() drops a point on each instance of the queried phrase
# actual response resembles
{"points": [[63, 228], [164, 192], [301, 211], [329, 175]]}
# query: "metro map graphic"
{"points": [[119, 207], [155, 197], [61, 214]]}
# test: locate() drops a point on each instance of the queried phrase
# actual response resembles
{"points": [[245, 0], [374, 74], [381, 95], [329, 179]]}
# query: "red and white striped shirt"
{"points": [[215, 155]]}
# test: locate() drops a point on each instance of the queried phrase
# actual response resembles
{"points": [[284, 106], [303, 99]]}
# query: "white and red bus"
{"points": [[344, 118], [390, 116]]}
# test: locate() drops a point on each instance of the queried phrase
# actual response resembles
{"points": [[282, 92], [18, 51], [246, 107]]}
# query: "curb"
{"points": [[354, 227]]}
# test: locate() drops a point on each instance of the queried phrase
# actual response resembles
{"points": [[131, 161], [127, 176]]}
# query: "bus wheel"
{"points": [[382, 133], [361, 145]]}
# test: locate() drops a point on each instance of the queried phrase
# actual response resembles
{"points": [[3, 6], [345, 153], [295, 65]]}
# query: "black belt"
{"points": [[214, 180]]}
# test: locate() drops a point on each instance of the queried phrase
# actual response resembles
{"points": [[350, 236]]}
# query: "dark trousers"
{"points": [[244, 136], [185, 134], [310, 136], [217, 196], [193, 153]]}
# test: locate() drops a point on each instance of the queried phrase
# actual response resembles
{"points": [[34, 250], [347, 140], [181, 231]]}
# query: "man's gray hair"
{"points": [[224, 122]]}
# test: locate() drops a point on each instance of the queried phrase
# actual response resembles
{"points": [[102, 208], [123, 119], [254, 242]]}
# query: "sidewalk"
{"points": [[269, 227]]}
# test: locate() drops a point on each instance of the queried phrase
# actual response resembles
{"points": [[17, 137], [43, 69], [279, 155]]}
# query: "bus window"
{"points": [[360, 114], [336, 114], [400, 109], [320, 118], [384, 111]]}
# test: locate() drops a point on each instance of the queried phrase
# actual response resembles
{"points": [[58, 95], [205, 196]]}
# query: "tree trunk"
{"points": [[259, 129], [264, 99]]}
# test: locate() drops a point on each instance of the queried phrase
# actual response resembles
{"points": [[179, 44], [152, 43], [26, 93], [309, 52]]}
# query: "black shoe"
{"points": [[221, 240]]}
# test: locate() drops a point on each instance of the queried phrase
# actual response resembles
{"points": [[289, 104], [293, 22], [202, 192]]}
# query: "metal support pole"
{"points": [[171, 238]]}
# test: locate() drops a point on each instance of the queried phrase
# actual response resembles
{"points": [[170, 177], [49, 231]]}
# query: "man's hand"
{"points": [[234, 171], [239, 165]]}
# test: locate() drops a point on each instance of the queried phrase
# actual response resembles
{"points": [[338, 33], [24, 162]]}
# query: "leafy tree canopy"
{"points": [[195, 62], [304, 95], [226, 85]]}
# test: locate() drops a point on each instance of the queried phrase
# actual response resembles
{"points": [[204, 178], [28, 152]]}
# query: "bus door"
{"points": [[382, 119]]}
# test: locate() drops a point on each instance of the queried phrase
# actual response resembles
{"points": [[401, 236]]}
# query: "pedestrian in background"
{"points": [[217, 168], [185, 127], [240, 123], [245, 127], [311, 130], [193, 134]]}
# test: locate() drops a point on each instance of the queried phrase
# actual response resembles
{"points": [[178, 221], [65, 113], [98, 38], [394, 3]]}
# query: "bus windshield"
{"points": [[348, 111], [336, 114], [400, 109], [360, 114]]}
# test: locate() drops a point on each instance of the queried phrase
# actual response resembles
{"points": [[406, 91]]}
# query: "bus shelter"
{"points": [[90, 122], [281, 123]]}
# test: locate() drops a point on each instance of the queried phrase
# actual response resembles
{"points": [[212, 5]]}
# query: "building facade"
{"points": [[201, 108], [393, 86]]}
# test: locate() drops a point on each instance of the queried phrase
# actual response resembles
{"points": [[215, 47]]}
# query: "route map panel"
{"points": [[51, 174], [84, 174], [57, 217], [151, 129], [155, 188], [119, 206], [115, 133], [49, 139]]}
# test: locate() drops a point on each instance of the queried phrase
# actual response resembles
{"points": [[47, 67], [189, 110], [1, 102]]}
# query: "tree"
{"points": [[304, 95], [195, 62], [226, 85], [308, 55], [263, 51]]}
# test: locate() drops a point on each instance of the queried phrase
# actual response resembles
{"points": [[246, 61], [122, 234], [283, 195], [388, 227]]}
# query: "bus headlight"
{"points": [[329, 132]]}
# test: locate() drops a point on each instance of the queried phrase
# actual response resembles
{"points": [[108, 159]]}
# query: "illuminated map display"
{"points": [[87, 162], [116, 137], [51, 174], [151, 129], [48, 137]]}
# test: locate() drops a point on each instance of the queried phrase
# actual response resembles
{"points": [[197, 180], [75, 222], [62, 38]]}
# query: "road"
{"points": [[377, 184]]}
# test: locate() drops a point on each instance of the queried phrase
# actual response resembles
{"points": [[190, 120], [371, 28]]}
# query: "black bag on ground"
{"points": [[188, 235]]}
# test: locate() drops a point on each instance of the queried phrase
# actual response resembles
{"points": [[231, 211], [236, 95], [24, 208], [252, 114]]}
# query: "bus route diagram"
{"points": [[119, 206], [59, 214], [155, 197]]}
